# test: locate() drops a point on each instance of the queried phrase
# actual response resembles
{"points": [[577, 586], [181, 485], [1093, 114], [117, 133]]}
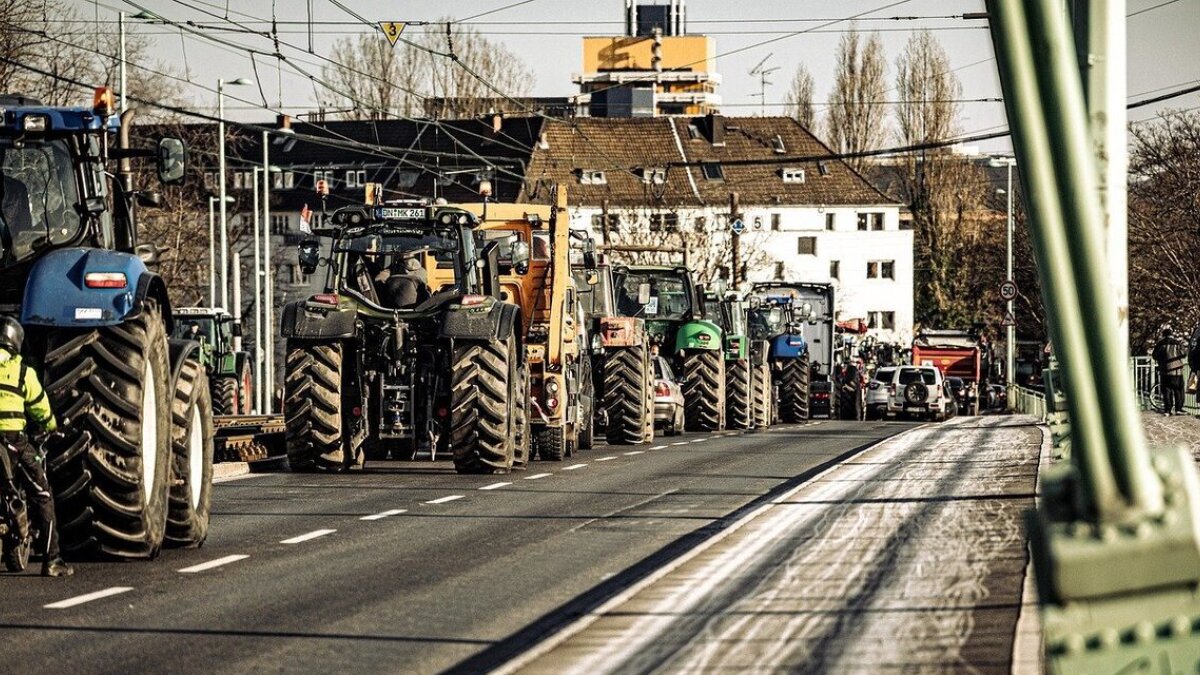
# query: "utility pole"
{"points": [[735, 233], [121, 39], [269, 282]]}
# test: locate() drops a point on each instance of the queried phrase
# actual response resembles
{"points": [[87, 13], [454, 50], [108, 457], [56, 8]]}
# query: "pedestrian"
{"points": [[22, 399], [1170, 354]]}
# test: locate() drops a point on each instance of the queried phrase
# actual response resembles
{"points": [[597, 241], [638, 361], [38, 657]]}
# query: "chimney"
{"points": [[716, 129], [497, 123], [284, 122]]}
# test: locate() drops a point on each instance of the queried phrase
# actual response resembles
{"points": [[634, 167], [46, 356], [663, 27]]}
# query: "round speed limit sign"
{"points": [[1008, 291]]}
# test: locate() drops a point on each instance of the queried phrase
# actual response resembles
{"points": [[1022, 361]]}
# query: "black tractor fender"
{"points": [[498, 322], [302, 320], [179, 351], [150, 285]]}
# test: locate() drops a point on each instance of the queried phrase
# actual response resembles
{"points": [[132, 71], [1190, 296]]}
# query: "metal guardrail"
{"points": [[1147, 384], [1027, 401]]}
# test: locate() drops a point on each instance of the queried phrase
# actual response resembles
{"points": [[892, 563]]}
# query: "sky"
{"points": [[1163, 49]]}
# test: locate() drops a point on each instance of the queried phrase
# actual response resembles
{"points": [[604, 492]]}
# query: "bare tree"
{"points": [[457, 75], [707, 240], [927, 90], [800, 99], [856, 119]]}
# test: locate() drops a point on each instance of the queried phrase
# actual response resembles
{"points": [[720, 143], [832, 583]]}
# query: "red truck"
{"points": [[957, 353]]}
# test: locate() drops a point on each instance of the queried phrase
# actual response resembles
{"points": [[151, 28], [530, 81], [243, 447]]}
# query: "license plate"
{"points": [[920, 408], [403, 214], [87, 313]]}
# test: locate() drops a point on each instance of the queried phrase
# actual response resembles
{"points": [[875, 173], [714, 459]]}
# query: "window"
{"points": [[835, 269], [588, 177], [326, 176], [654, 176], [870, 221], [881, 269], [210, 180], [283, 180], [701, 223], [614, 222], [862, 222], [660, 222], [778, 271], [776, 222], [881, 320], [877, 222], [712, 171], [239, 180], [280, 223], [351, 178], [792, 175], [806, 245], [829, 221]]}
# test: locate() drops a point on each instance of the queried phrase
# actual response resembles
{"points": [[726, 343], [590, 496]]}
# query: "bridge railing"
{"points": [[1148, 386], [1027, 401]]}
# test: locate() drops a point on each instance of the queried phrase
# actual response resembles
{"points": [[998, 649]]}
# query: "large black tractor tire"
{"points": [[704, 390], [648, 411], [111, 471], [794, 391], [850, 396], [762, 396], [625, 386], [482, 433], [245, 392], [312, 406], [551, 444], [586, 424], [523, 441], [191, 458], [739, 394], [225, 395]]}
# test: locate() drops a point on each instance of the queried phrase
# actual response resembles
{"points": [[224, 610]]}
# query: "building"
{"points": [[655, 68]]}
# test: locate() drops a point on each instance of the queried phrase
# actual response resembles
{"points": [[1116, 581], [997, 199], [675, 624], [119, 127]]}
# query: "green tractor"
{"points": [[747, 377], [230, 375], [676, 323]]}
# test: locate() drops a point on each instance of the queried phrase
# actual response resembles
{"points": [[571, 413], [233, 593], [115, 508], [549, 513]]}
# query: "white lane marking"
{"points": [[538, 476], [88, 597], [213, 563], [308, 536], [635, 452], [659, 447], [681, 443], [605, 459], [384, 514], [495, 486], [443, 500], [574, 466], [700, 440]]}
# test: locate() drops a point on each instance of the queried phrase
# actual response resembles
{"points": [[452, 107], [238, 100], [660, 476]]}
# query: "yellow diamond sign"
{"points": [[392, 30]]}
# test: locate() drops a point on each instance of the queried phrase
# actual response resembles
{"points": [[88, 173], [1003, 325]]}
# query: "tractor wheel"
{"points": [[625, 387], [704, 390], [523, 442], [245, 402], [762, 397], [648, 409], [551, 444], [739, 390], [482, 434], [225, 395], [111, 472], [586, 423], [191, 458], [312, 406], [793, 391], [850, 396]]}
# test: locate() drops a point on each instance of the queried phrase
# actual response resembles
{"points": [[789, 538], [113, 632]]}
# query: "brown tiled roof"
{"points": [[619, 146]]}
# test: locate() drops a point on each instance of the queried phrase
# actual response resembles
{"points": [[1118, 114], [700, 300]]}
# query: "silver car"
{"points": [[877, 393], [920, 391], [668, 399]]}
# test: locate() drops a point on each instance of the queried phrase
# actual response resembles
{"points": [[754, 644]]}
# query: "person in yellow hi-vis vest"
{"points": [[22, 399]]}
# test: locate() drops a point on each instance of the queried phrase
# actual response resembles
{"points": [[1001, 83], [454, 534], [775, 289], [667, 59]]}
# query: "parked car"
{"points": [[819, 403], [668, 399], [877, 393], [919, 391]]}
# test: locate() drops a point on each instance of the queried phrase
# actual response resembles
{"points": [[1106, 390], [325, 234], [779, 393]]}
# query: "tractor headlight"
{"points": [[37, 124]]}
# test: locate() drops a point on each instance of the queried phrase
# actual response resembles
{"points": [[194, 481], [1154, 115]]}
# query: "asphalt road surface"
{"points": [[406, 566]]}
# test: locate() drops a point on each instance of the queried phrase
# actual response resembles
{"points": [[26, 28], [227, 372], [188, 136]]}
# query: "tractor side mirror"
{"points": [[643, 296], [520, 257], [172, 161], [147, 252], [309, 254], [236, 329], [593, 277]]}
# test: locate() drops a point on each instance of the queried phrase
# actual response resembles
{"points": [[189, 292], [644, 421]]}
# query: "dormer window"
{"points": [[792, 175], [592, 177], [777, 145], [712, 171], [654, 176]]}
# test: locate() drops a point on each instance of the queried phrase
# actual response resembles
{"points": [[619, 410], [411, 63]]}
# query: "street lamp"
{"points": [[221, 170], [212, 252], [1011, 334], [259, 310]]}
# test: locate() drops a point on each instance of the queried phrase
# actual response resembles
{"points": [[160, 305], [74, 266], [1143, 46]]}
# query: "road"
{"points": [[406, 566]]}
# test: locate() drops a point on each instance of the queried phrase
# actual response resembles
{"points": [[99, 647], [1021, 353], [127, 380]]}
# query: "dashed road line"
{"points": [[308, 536], [443, 500], [211, 564], [681, 443], [659, 447], [538, 476], [384, 514], [574, 466], [88, 597], [495, 486], [700, 440], [605, 459], [635, 452]]}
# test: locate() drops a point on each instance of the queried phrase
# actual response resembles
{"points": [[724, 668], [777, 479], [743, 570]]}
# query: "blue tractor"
{"points": [[132, 469], [775, 332]]}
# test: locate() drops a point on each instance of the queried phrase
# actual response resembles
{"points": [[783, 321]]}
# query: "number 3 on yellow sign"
{"points": [[392, 30]]}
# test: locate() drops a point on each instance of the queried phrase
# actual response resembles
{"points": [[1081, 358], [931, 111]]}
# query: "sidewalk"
{"points": [[909, 557]]}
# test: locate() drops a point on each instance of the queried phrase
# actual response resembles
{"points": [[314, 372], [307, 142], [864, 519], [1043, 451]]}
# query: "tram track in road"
{"points": [[425, 581]]}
